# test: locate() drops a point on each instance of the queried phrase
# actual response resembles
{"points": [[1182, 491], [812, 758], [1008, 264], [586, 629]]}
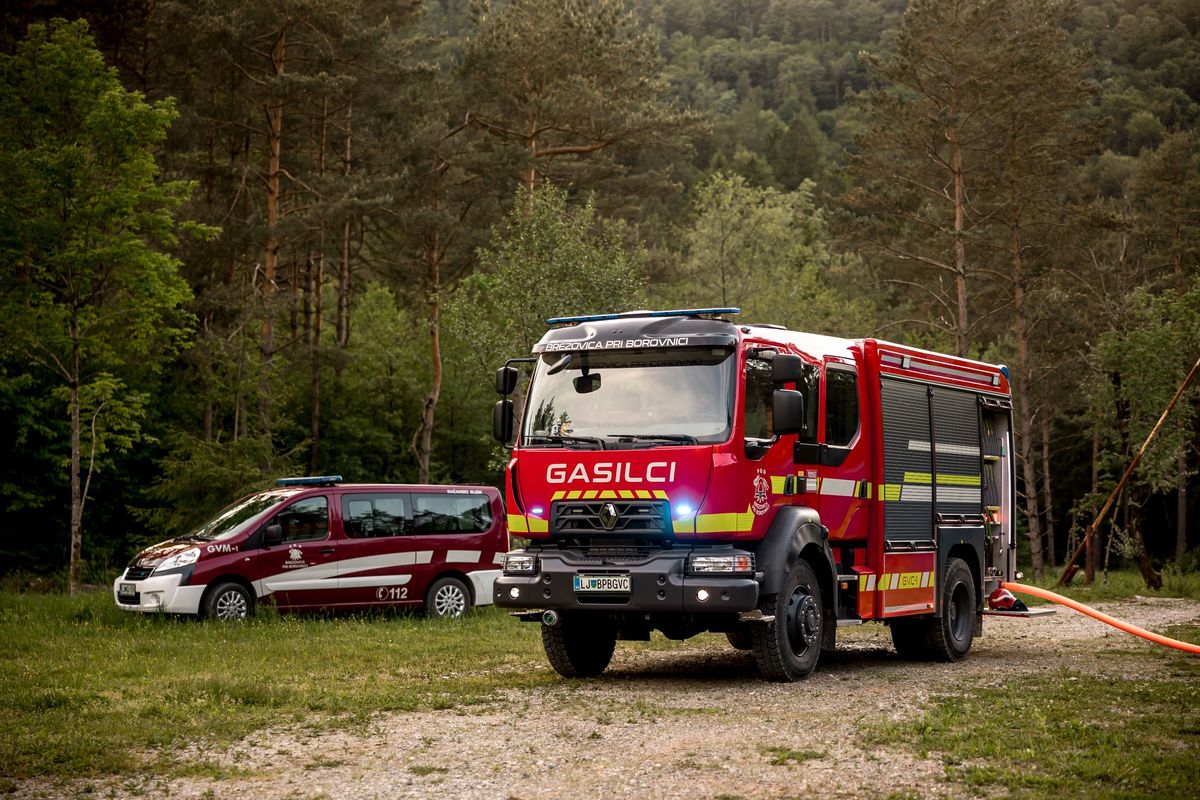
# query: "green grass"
{"points": [[1068, 735], [1120, 584], [87, 690]]}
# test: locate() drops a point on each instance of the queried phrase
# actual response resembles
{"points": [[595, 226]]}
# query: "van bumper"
{"points": [[658, 583], [160, 593]]}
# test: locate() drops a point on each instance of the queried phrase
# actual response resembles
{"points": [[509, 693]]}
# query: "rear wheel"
{"points": [[447, 598], [740, 639], [228, 602], [949, 637], [578, 647], [788, 647]]}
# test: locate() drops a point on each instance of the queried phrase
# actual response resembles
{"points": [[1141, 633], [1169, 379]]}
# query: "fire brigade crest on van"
{"points": [[762, 502]]}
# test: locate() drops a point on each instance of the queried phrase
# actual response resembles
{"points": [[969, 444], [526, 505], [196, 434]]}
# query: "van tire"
{"points": [[578, 647], [447, 598], [228, 602]]}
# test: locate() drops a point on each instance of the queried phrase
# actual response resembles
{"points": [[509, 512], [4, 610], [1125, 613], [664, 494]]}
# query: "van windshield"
{"points": [[233, 519], [629, 399]]}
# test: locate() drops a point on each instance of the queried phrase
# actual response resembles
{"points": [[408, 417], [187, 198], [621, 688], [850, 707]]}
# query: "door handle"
{"points": [[326, 551]]}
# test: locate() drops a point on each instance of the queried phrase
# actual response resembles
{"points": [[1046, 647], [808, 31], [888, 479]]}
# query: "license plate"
{"points": [[127, 590], [602, 583]]}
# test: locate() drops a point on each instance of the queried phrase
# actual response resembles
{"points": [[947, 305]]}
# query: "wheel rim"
{"points": [[449, 601], [804, 620], [231, 605], [960, 615]]}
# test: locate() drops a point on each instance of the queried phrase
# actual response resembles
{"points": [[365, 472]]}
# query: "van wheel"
{"points": [[578, 647], [447, 598], [228, 601], [787, 648]]}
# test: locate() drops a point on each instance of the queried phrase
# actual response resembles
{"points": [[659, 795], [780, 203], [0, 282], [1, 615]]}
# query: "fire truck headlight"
{"points": [[684, 510], [189, 556], [520, 564], [724, 564]]}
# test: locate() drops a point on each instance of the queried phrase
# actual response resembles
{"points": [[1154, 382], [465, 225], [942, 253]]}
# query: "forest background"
{"points": [[241, 241]]}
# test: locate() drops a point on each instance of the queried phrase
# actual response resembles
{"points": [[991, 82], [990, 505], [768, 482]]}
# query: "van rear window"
{"points": [[451, 513]]}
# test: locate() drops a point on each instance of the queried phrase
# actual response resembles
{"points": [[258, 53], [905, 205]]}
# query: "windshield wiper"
{"points": [[541, 438], [194, 537], [665, 438]]}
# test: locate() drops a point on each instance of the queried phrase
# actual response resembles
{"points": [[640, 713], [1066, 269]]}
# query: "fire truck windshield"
{"points": [[625, 399]]}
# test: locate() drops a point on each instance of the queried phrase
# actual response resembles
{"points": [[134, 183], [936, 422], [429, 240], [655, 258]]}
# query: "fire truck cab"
{"points": [[676, 471]]}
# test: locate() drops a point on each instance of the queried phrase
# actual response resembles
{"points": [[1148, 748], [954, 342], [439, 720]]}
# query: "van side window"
{"points": [[841, 406], [451, 513], [374, 515], [304, 520]]}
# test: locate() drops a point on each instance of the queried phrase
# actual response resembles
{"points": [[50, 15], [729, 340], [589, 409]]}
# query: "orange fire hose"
{"points": [[1186, 647]]}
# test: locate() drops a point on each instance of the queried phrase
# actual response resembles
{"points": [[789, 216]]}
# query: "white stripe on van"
{"points": [[463, 556], [374, 580], [324, 576]]}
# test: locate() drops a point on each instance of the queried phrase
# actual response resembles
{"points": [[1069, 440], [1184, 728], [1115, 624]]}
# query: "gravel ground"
{"points": [[692, 722]]}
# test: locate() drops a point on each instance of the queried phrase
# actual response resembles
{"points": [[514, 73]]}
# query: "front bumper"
{"points": [[658, 583], [159, 593]]}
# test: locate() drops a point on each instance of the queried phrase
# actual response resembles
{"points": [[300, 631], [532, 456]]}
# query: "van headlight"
{"points": [[724, 564], [520, 564], [183, 559]]}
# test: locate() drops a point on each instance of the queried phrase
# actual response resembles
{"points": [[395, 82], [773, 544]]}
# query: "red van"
{"points": [[316, 543]]}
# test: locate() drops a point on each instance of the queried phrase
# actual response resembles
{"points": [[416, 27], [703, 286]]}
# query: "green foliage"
{"points": [[767, 252], [545, 260]]}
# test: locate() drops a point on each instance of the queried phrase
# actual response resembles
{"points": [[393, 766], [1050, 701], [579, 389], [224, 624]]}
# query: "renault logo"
{"points": [[608, 516]]}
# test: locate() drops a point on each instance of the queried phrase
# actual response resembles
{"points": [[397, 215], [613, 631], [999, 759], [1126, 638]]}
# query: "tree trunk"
{"points": [[1025, 413], [960, 247], [315, 279], [1181, 505], [271, 252], [342, 332], [76, 486], [423, 439], [1093, 545], [1047, 497]]}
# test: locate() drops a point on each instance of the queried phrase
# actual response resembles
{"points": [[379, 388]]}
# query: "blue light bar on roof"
{"points": [[315, 480], [679, 312]]}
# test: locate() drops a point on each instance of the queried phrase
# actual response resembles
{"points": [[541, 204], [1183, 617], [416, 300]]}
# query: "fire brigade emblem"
{"points": [[762, 489], [608, 516]]}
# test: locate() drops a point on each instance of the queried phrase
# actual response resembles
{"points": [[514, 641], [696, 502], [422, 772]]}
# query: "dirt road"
{"points": [[694, 722]]}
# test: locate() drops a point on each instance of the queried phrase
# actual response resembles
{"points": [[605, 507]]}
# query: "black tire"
{"points": [[948, 638], [788, 647], [579, 647], [228, 602], [740, 639], [447, 598]]}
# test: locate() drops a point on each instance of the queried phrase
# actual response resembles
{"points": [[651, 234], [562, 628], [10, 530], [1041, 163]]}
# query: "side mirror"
{"points": [[787, 411], [273, 535], [502, 420], [506, 380], [786, 369]]}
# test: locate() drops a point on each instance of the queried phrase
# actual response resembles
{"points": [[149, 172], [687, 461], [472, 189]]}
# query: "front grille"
{"points": [[138, 573], [628, 517]]}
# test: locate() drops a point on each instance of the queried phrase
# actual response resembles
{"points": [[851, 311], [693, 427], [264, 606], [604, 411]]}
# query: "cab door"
{"points": [[301, 571], [844, 491]]}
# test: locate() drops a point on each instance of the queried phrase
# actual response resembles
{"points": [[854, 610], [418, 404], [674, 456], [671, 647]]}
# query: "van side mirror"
{"points": [[502, 420], [787, 411], [273, 535], [786, 368], [506, 380]]}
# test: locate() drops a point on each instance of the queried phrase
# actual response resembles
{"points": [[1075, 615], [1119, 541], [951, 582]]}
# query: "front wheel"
{"points": [[788, 647], [228, 602], [578, 647], [447, 598]]}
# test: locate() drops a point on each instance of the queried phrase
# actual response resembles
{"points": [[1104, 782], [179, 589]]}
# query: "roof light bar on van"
{"points": [[315, 480], [678, 312]]}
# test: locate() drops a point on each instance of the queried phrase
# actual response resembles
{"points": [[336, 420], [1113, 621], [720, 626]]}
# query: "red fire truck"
{"points": [[680, 472]]}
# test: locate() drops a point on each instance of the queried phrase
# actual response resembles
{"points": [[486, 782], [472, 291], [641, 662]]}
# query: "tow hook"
{"points": [[550, 618]]}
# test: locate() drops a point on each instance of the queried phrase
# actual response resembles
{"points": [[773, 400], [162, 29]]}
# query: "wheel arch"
{"points": [[796, 532], [453, 573], [231, 577]]}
